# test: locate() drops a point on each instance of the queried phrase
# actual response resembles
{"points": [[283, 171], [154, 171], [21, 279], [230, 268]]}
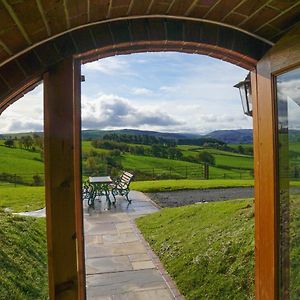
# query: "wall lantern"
{"points": [[245, 93]]}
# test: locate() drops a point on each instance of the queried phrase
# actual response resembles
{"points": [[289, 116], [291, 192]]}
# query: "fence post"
{"points": [[206, 171], [153, 174], [15, 179]]}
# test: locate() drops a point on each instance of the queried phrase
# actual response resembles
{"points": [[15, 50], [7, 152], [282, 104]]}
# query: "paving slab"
{"points": [[119, 263], [118, 283]]}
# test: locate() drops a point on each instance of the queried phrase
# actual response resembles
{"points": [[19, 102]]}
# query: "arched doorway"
{"points": [[62, 35]]}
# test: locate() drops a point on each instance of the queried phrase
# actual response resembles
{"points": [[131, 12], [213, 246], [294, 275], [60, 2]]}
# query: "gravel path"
{"points": [[186, 197]]}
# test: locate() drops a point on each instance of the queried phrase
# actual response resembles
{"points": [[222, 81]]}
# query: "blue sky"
{"points": [[150, 91]]}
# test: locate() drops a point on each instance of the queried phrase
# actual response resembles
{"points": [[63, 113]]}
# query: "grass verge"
{"points": [[208, 249], [23, 258], [22, 198], [186, 184]]}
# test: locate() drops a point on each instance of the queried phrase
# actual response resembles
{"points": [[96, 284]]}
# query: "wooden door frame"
{"points": [[64, 213], [285, 55]]}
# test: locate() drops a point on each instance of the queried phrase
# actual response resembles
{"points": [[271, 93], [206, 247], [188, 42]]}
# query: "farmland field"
{"points": [[15, 160], [228, 165]]}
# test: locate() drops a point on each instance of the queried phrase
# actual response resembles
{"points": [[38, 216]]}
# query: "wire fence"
{"points": [[159, 173], [29, 179]]}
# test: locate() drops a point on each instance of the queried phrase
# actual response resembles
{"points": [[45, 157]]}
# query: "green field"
{"points": [[181, 168], [20, 161], [208, 249], [27, 198], [23, 257], [22, 198], [86, 147], [175, 185], [223, 158], [26, 163]]}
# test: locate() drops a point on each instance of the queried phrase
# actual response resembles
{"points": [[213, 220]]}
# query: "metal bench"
{"points": [[121, 186], [88, 193]]}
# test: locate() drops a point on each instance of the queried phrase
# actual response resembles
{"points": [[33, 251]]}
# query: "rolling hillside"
{"points": [[229, 165], [238, 136]]}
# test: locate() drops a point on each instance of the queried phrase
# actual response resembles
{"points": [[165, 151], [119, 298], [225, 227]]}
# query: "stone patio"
{"points": [[119, 263]]}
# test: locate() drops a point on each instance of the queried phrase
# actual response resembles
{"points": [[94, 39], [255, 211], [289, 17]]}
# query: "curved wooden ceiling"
{"points": [[29, 26]]}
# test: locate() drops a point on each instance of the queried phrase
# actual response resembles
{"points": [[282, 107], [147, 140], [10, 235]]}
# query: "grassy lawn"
{"points": [[86, 146], [187, 184], [22, 198], [23, 258], [27, 198], [20, 161], [131, 161], [162, 165], [208, 249]]}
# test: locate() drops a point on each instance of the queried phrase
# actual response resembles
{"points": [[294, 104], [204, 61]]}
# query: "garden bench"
{"points": [[121, 186], [88, 193]]}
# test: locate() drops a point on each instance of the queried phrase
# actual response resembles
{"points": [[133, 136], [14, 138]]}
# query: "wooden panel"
{"points": [[140, 7], [221, 9], [260, 18], [119, 8], [283, 56], [31, 21], [9, 33], [55, 15], [180, 7], [265, 170], [160, 6], [77, 10], [63, 193], [98, 9]]}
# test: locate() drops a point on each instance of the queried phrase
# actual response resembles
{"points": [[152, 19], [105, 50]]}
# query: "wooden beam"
{"points": [[109, 9], [171, 6], [211, 8], [67, 14], [278, 16], [63, 181], [17, 21], [236, 7], [265, 189], [130, 7], [150, 7], [5, 48], [192, 6], [41, 10], [88, 10], [255, 12]]}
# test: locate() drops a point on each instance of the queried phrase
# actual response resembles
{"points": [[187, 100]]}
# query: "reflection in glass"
{"points": [[288, 106]]}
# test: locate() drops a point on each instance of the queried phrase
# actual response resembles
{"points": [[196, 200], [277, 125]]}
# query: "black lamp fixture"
{"points": [[245, 93]]}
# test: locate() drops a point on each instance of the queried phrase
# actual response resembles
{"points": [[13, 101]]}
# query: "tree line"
{"points": [[156, 150], [139, 139]]}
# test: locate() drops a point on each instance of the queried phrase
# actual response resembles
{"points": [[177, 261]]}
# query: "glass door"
{"points": [[288, 205]]}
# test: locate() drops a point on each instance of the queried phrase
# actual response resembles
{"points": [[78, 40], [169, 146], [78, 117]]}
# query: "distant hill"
{"points": [[18, 135], [96, 134], [239, 136]]}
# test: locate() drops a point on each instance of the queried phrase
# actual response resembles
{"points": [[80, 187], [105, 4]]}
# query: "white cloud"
{"points": [[24, 115], [115, 65], [111, 111], [168, 89], [142, 92]]}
